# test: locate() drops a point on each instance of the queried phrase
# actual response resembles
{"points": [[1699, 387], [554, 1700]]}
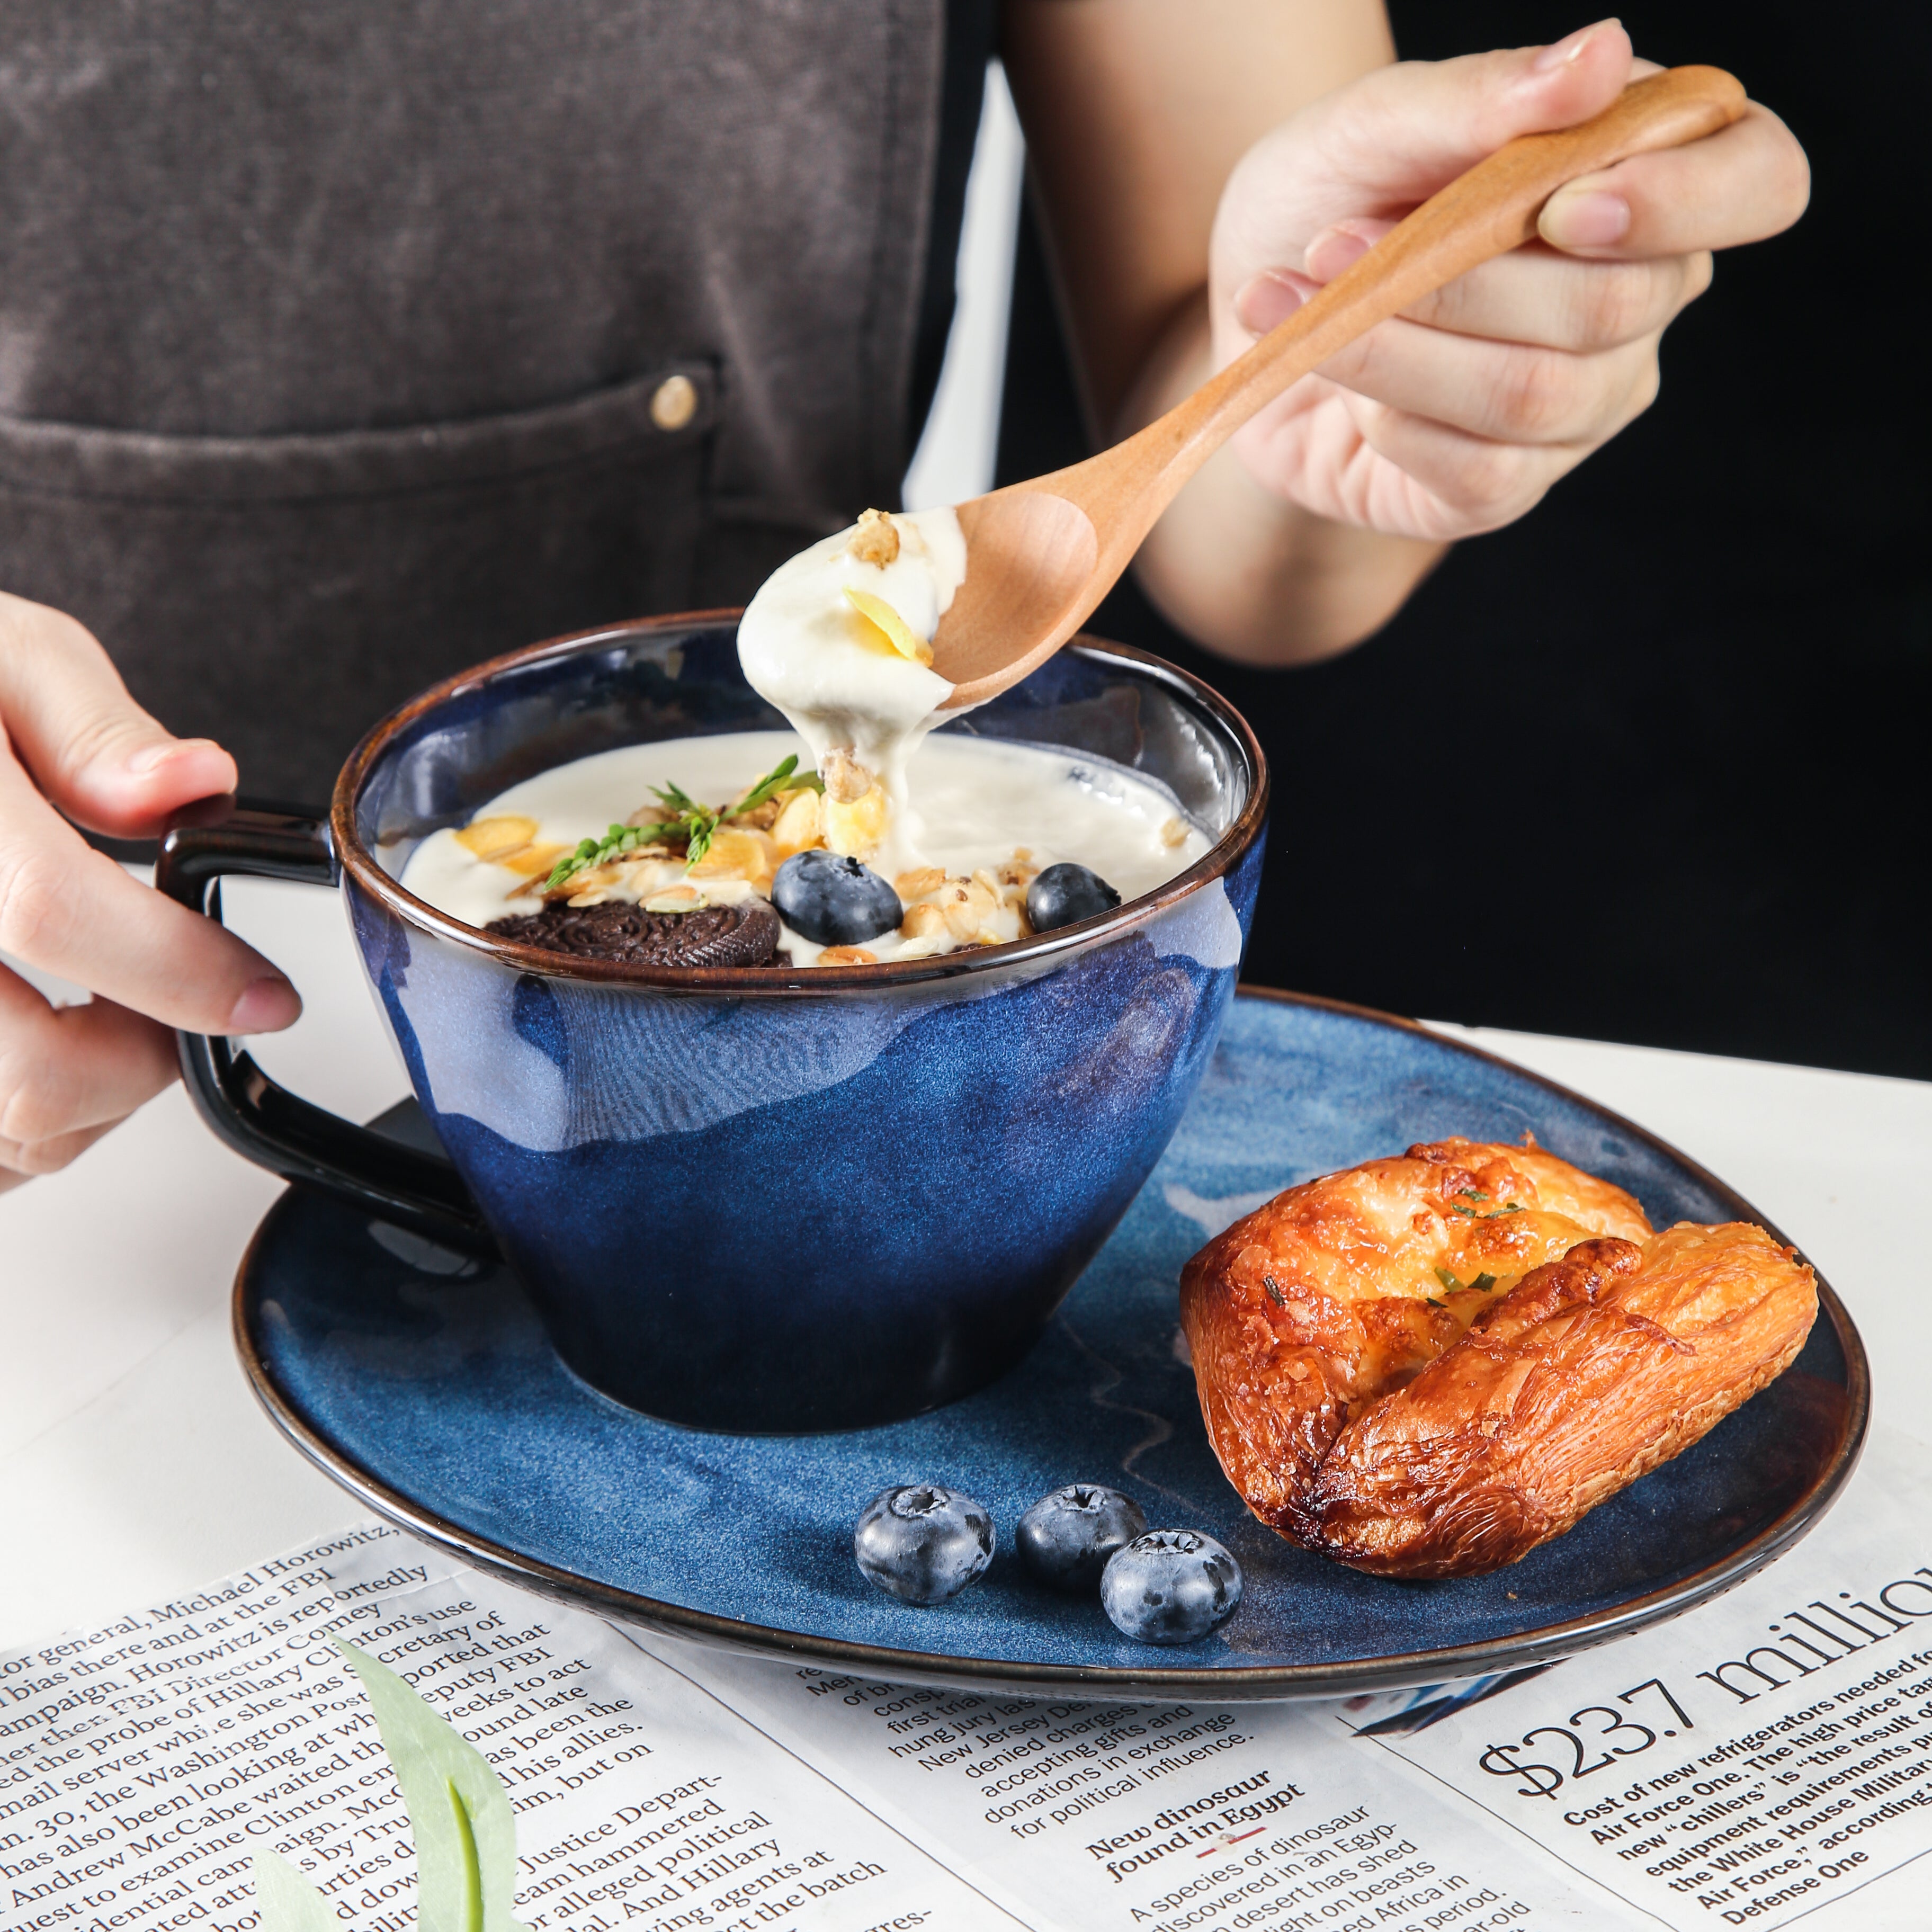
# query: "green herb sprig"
{"points": [[695, 824], [777, 779]]}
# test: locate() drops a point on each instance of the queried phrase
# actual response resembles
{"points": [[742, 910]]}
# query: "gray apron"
{"points": [[342, 346]]}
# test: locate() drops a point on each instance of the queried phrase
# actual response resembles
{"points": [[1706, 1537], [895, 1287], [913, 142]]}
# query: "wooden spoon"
{"points": [[1040, 556]]}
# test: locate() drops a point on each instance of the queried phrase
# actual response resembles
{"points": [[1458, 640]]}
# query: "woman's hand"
{"points": [[74, 740], [1456, 417], [1287, 136]]}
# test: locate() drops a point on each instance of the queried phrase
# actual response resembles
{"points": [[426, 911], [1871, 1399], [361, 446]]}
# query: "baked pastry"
{"points": [[1426, 1366]]}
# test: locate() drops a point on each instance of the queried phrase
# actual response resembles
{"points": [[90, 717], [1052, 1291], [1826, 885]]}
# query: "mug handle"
{"points": [[262, 1121]]}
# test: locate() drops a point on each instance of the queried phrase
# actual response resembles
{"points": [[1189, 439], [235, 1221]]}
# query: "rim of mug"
{"points": [[359, 863]]}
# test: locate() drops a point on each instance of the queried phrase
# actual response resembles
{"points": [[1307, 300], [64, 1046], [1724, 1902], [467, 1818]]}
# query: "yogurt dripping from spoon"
{"points": [[839, 640]]}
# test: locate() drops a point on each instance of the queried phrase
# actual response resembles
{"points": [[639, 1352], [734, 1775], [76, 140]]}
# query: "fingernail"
{"points": [[1570, 48], [1272, 297], [1590, 219], [1335, 249], [150, 758], [266, 1006]]}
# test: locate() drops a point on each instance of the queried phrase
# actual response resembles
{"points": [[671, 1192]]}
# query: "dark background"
{"points": [[1650, 765]]}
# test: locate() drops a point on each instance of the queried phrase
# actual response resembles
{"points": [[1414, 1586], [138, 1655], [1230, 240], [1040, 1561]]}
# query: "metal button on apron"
{"points": [[673, 402]]}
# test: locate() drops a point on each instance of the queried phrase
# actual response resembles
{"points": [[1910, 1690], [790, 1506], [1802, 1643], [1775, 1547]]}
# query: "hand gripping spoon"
{"points": [[1040, 556]]}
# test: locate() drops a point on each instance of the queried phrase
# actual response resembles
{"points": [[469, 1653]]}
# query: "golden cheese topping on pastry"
{"points": [[1376, 1349]]}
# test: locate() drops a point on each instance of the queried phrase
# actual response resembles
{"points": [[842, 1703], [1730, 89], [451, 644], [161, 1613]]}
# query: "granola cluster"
{"points": [[951, 909]]}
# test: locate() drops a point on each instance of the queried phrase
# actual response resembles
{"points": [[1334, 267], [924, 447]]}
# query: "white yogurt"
{"points": [[806, 649], [973, 807]]}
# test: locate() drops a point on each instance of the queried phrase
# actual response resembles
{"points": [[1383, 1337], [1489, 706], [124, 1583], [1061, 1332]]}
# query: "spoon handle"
{"points": [[1485, 212]]}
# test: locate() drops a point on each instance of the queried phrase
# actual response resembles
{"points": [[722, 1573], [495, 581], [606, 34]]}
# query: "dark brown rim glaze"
{"points": [[360, 864], [1236, 1684]]}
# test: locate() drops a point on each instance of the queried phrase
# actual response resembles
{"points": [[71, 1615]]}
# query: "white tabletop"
{"points": [[133, 1461]]}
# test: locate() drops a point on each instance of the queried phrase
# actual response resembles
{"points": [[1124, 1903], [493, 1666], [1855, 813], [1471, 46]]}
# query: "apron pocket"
{"points": [[281, 593]]}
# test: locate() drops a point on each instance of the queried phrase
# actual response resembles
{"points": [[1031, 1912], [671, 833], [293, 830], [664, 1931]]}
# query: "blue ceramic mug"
{"points": [[764, 1200]]}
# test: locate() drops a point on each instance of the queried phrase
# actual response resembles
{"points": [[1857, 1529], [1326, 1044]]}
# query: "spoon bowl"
{"points": [[1032, 556], [1041, 555]]}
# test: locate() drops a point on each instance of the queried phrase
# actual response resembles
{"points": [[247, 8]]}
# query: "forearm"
{"points": [[1240, 569], [1135, 113]]}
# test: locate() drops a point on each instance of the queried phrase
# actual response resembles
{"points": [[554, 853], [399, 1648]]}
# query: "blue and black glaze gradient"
{"points": [[780, 1203]]}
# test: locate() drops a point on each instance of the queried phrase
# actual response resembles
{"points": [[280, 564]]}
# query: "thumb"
{"points": [[91, 750], [1406, 131], [1308, 198], [1385, 143]]}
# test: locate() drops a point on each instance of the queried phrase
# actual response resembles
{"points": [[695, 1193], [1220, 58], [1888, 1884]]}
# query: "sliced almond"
{"points": [[1173, 833], [848, 955], [922, 922], [737, 854], [598, 880], [917, 883], [534, 860], [494, 838]]}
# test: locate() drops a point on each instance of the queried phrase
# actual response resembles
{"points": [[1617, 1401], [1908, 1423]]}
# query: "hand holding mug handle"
{"points": [[262, 1121]]}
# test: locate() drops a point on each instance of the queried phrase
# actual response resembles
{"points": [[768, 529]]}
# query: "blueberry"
{"points": [[923, 1542], [1170, 1586], [833, 901], [1066, 1538], [1064, 894]]}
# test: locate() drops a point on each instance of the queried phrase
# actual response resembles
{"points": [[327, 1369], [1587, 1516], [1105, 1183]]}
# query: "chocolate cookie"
{"points": [[744, 934]]}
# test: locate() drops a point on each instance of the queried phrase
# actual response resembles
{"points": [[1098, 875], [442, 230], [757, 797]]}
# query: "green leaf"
{"points": [[1484, 1283], [767, 787], [1447, 1277], [459, 1815], [679, 800], [1472, 1194], [286, 1901], [472, 1889], [1433, 1303]]}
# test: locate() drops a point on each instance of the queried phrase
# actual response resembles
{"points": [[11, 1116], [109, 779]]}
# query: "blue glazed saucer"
{"points": [[421, 1379]]}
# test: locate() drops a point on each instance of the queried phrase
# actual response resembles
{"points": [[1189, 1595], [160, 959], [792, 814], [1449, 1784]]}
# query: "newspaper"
{"points": [[1751, 1764], [1698, 1780]]}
